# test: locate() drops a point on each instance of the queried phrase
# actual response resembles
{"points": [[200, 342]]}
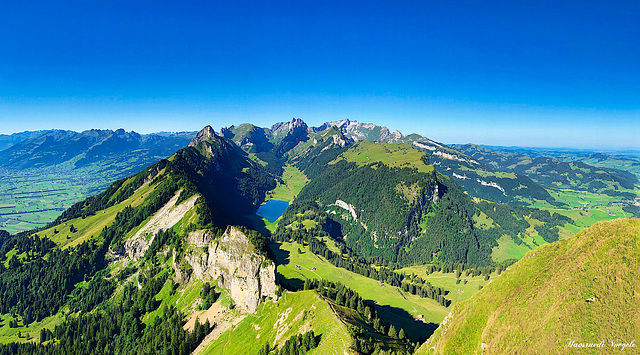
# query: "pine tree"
{"points": [[312, 340], [264, 350], [392, 332], [401, 335]]}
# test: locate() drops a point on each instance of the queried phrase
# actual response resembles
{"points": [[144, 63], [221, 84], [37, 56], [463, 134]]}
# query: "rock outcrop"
{"points": [[167, 216], [204, 134], [233, 261], [364, 131]]}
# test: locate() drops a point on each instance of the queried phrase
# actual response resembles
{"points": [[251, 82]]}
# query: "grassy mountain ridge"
{"points": [[582, 289], [475, 177]]}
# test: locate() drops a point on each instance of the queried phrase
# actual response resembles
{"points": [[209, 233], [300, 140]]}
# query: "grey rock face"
{"points": [[205, 133], [233, 262]]}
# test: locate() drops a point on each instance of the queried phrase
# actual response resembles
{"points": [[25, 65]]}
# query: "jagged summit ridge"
{"points": [[364, 131], [291, 125], [206, 133]]}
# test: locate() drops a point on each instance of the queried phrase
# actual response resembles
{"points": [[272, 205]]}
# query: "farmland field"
{"points": [[32, 198]]}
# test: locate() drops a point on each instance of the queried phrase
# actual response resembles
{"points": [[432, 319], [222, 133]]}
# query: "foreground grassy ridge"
{"points": [[583, 289], [275, 322], [395, 155], [287, 257]]}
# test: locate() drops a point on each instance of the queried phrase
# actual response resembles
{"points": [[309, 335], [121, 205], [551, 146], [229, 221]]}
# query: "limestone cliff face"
{"points": [[204, 134], [163, 219], [232, 261]]}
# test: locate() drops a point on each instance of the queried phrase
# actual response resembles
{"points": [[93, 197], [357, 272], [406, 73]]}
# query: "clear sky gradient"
{"points": [[534, 73]]}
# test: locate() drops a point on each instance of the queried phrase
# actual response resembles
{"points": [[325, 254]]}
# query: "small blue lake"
{"points": [[272, 209]]}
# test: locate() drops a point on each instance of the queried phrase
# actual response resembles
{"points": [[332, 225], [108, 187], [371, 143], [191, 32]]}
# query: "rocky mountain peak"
{"points": [[227, 132], [296, 122], [206, 133]]}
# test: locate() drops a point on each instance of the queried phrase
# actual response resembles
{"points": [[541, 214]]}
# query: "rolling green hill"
{"points": [[552, 173], [627, 160], [274, 323], [580, 290]]}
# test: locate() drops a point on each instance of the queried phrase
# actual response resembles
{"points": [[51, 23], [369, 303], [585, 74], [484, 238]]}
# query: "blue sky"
{"points": [[502, 72]]}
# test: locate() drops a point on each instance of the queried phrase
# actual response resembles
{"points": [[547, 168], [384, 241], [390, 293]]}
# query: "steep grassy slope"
{"points": [[91, 226], [580, 290]]}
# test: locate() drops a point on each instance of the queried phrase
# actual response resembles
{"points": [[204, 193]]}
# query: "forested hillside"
{"points": [[385, 202]]}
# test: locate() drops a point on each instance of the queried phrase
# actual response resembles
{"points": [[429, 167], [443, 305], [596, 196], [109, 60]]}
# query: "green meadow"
{"points": [[293, 180], [23, 334], [395, 155], [312, 266], [457, 291]]}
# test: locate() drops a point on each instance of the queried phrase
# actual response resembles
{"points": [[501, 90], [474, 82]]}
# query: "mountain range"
{"points": [[382, 237]]}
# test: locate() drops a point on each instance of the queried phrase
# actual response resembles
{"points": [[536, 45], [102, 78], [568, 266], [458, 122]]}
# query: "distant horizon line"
{"points": [[622, 149]]}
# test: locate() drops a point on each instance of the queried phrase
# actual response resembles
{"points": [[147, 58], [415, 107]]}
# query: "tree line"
{"points": [[118, 328]]}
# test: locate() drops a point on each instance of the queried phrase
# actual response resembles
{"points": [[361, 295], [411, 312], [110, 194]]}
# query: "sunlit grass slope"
{"points": [[275, 322], [395, 155], [583, 289], [293, 180], [399, 307], [91, 226]]}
